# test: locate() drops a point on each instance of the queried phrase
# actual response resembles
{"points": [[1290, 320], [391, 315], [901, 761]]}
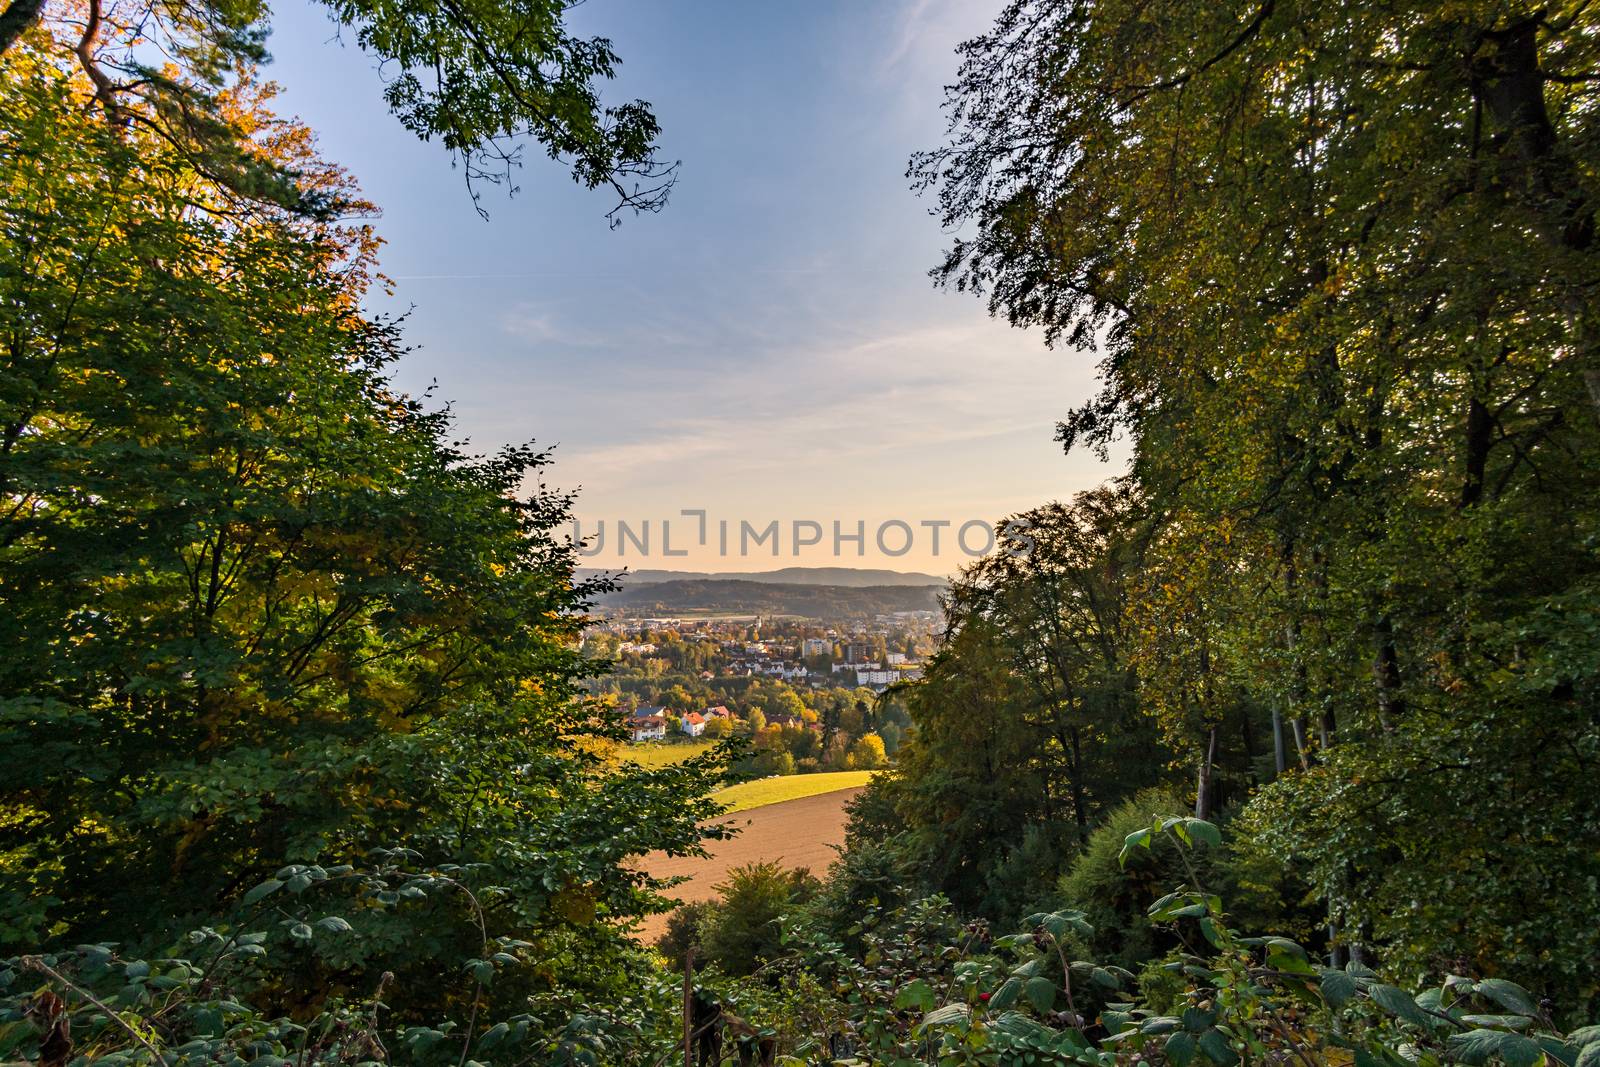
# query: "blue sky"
{"points": [[769, 346]]}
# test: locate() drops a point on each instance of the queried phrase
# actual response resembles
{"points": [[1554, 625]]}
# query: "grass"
{"points": [[747, 795], [661, 754]]}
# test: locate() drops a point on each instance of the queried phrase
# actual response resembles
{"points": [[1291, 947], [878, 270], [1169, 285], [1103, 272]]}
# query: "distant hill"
{"points": [[844, 577], [771, 598]]}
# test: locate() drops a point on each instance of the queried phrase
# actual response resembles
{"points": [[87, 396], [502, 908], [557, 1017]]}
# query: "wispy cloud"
{"points": [[878, 399], [927, 31]]}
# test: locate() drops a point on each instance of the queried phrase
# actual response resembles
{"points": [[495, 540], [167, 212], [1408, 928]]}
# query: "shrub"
{"points": [[871, 813], [770, 761], [924, 989], [1025, 877], [743, 931], [1113, 897], [239, 992], [869, 877], [685, 931]]}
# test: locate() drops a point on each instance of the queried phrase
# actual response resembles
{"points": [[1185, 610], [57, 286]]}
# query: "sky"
{"points": [[769, 348]]}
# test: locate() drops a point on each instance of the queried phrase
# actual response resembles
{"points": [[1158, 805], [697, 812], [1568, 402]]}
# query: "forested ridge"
{"points": [[1277, 749], [786, 598]]}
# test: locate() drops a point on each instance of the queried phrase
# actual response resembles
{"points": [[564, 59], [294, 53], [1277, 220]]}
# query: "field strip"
{"points": [[749, 795], [796, 833]]}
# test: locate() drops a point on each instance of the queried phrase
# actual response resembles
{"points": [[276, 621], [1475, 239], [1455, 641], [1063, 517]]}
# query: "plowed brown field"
{"points": [[796, 833]]}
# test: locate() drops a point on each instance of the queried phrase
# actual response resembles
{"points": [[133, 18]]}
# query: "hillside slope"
{"points": [[812, 601]]}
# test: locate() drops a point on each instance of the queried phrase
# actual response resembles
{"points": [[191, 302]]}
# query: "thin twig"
{"points": [[34, 963], [1066, 976]]}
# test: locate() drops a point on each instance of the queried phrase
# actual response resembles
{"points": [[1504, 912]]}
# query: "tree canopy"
{"points": [[1339, 263], [480, 76], [262, 612]]}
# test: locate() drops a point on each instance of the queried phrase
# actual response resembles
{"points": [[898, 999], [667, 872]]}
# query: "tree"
{"points": [[1027, 719], [1338, 261], [867, 754], [476, 75], [258, 610], [769, 761]]}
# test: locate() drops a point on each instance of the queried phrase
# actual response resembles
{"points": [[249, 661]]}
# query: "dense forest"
{"points": [[1277, 749]]}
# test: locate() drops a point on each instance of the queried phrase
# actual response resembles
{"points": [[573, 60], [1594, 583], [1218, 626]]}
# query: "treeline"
{"points": [[808, 601], [294, 759], [1339, 263]]}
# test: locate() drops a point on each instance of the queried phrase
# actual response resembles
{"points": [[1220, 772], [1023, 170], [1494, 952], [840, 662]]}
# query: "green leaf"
{"points": [[1216, 1048], [493, 1036], [1508, 995], [1283, 961], [950, 1013], [1557, 1051], [1283, 944], [1589, 1056], [1180, 1049], [1398, 1003], [1005, 996], [1041, 993], [1479, 1046], [1499, 1022], [271, 885], [301, 932], [1337, 988], [1119, 1023], [918, 995], [1137, 839]]}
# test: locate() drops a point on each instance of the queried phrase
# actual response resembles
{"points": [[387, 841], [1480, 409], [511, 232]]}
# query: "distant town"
{"points": [[811, 694]]}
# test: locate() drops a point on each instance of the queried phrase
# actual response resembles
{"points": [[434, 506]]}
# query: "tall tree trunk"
{"points": [[1508, 84], [1279, 763], [1077, 786], [1249, 745], [1386, 673], [1479, 437], [1203, 778], [104, 91]]}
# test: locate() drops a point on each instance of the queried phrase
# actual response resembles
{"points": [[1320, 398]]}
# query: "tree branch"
{"points": [[19, 17]]}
